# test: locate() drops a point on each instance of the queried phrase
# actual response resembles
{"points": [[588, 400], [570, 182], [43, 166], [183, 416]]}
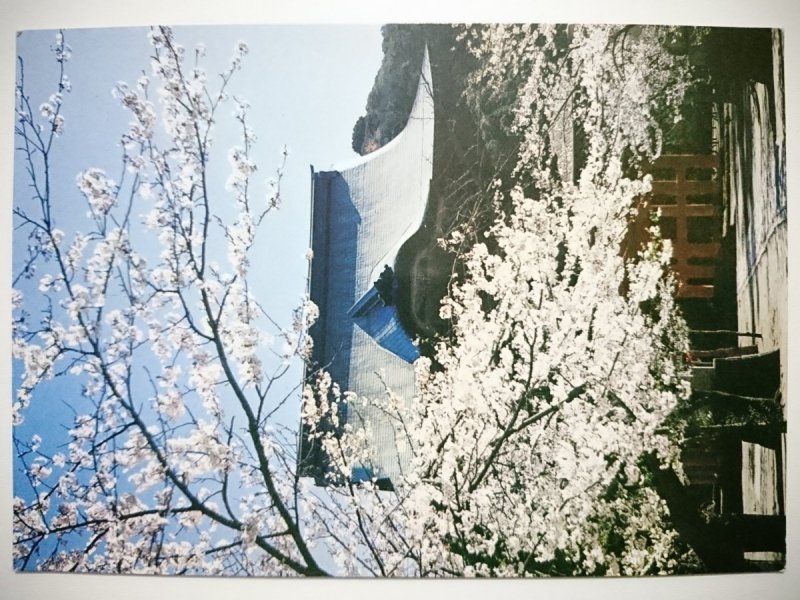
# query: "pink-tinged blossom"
{"points": [[99, 190]]}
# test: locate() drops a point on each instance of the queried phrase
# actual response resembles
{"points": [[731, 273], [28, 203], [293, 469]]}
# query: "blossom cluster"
{"points": [[174, 434], [564, 361]]}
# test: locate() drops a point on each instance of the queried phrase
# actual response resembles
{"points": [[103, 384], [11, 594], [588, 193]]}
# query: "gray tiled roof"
{"points": [[361, 216]]}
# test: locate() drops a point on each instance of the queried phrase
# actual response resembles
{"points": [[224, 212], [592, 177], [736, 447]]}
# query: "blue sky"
{"points": [[306, 86]]}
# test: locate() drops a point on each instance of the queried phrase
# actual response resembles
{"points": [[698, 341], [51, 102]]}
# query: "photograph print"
{"points": [[429, 300]]}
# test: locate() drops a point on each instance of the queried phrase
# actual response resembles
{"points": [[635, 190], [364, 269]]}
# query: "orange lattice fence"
{"points": [[686, 191]]}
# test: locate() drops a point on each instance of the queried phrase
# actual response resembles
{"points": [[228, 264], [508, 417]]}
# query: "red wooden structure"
{"points": [[686, 191]]}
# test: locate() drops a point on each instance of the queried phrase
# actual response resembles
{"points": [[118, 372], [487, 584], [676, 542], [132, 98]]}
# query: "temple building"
{"points": [[362, 214]]}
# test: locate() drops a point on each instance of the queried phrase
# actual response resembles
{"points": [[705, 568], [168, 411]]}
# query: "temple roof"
{"points": [[362, 214]]}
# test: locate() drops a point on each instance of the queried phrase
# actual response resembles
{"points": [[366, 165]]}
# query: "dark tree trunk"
{"points": [[717, 542]]}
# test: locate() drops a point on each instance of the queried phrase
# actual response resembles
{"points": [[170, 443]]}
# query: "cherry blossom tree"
{"points": [[531, 418], [174, 439], [566, 357]]}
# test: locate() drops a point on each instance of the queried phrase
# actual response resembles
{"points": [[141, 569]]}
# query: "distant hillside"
{"points": [[389, 102]]}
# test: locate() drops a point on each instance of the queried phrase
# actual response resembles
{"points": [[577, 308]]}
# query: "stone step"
{"points": [[752, 375], [707, 356]]}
